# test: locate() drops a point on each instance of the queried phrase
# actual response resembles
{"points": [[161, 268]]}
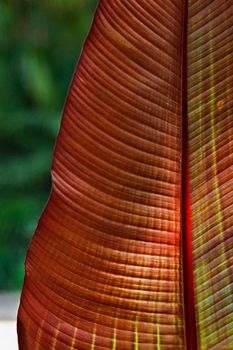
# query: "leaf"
{"points": [[133, 250]]}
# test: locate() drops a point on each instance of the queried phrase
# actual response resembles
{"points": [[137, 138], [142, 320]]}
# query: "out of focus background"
{"points": [[40, 43]]}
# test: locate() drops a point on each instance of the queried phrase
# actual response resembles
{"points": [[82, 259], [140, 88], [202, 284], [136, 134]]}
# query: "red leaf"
{"points": [[147, 126]]}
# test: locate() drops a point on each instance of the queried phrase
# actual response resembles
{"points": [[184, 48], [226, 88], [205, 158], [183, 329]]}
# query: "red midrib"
{"points": [[188, 284]]}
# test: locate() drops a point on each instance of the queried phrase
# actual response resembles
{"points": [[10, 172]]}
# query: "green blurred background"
{"points": [[40, 42]]}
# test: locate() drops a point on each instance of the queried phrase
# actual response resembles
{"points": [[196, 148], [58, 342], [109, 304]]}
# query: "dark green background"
{"points": [[40, 42]]}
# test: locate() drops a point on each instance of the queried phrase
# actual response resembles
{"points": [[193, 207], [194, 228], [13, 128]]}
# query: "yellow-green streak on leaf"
{"points": [[93, 339], [114, 340], [158, 338], [136, 334]]}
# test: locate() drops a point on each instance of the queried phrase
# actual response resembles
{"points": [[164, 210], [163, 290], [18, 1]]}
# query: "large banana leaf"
{"points": [[134, 249]]}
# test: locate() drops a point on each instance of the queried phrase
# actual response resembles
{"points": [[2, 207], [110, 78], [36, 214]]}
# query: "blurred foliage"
{"points": [[40, 42]]}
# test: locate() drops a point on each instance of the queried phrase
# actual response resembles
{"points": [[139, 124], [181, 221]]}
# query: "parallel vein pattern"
{"points": [[210, 91], [103, 270]]}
